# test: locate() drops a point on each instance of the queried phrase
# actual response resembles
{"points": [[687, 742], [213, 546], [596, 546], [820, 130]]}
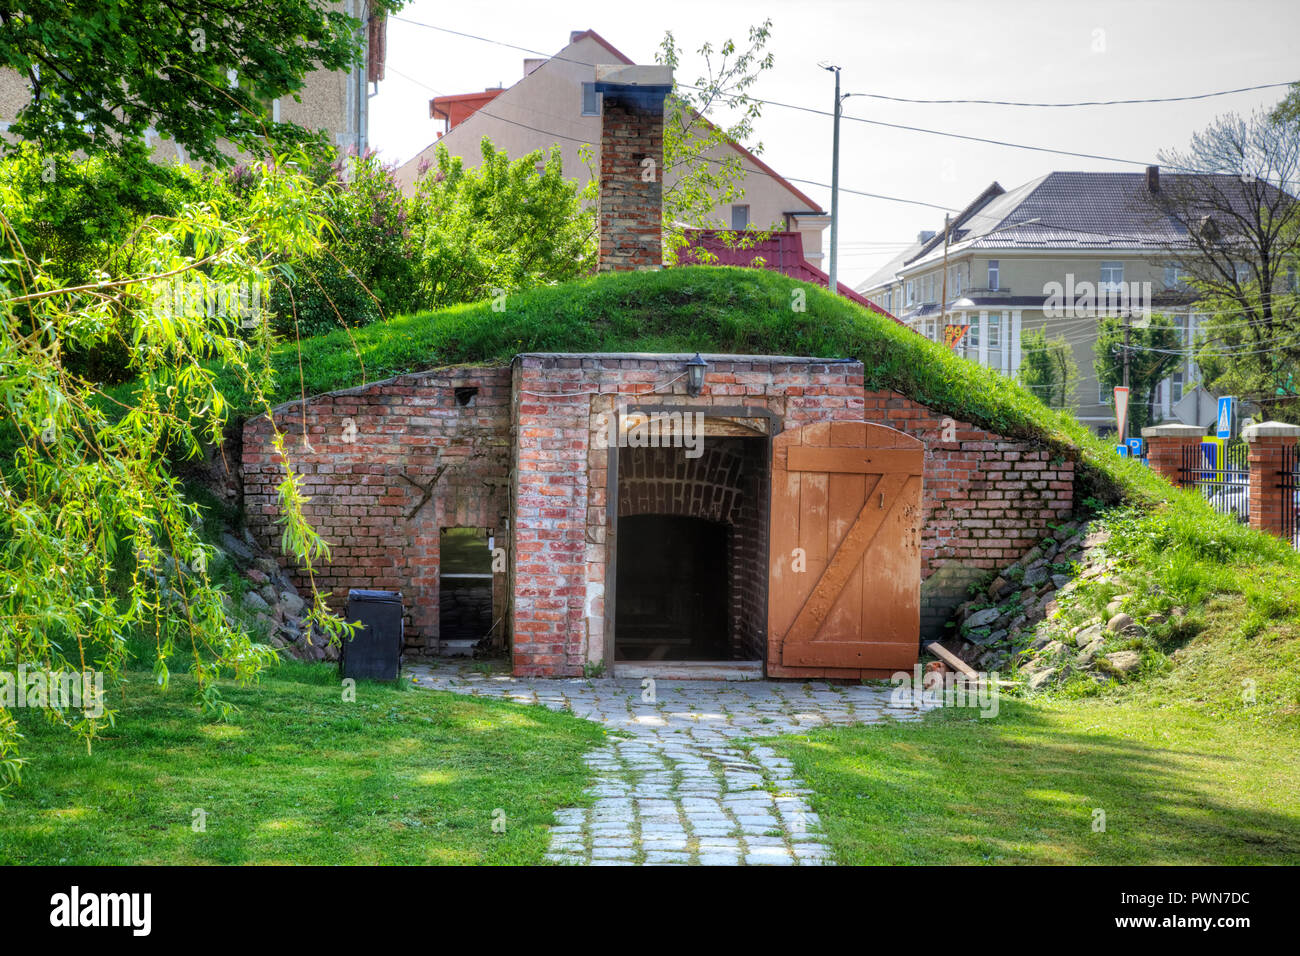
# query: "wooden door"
{"points": [[844, 588]]}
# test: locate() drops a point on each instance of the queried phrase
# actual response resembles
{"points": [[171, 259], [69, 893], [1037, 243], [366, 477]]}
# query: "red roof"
{"points": [[781, 252], [456, 109]]}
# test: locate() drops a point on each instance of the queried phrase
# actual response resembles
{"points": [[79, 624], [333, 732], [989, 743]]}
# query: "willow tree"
{"points": [[98, 544]]}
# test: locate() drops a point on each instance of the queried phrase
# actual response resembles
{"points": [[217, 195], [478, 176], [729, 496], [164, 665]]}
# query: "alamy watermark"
{"points": [[194, 298], [658, 429], [53, 690], [934, 688], [1076, 300]]}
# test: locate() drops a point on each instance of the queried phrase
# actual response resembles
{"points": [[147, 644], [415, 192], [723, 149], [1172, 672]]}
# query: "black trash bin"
{"points": [[374, 653]]}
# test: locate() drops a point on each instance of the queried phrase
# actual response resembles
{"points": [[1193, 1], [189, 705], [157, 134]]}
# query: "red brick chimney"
{"points": [[630, 208]]}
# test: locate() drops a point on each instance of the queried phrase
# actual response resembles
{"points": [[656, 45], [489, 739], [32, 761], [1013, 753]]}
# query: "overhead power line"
{"points": [[820, 112], [757, 172], [1152, 99]]}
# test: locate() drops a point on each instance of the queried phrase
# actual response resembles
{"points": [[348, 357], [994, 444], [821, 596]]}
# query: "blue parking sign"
{"points": [[1224, 427], [1135, 447], [1123, 450]]}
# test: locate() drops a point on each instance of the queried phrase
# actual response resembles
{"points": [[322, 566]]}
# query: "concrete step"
{"points": [[690, 670]]}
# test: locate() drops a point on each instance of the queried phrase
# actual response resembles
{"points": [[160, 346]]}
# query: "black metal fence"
{"points": [[1222, 475], [1290, 484]]}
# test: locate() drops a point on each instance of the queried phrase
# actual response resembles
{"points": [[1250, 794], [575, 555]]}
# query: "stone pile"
{"points": [[1013, 624], [271, 602]]}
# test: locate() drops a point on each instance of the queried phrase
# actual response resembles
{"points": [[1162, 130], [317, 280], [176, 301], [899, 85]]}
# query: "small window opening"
{"points": [[465, 395]]}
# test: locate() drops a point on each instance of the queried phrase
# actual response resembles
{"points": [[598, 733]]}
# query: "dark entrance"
{"points": [[464, 589], [672, 589]]}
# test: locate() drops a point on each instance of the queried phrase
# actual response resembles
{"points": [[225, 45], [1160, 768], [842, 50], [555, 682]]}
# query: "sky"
{"points": [[1044, 51]]}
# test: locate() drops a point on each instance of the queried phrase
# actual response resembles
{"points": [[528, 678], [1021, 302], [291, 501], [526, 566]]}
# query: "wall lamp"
{"points": [[695, 375]]}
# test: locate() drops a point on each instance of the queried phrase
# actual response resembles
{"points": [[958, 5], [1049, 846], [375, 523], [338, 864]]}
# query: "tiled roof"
{"points": [[781, 252], [1066, 210]]}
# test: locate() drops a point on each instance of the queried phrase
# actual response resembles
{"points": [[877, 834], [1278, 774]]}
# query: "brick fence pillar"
{"points": [[1268, 441], [1165, 444]]}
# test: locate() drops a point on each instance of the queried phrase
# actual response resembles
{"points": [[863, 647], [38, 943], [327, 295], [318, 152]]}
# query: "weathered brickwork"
{"points": [[386, 467], [527, 457], [630, 206], [564, 409], [1268, 461]]}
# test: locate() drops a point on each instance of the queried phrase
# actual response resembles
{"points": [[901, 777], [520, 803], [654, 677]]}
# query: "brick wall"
{"points": [[563, 409], [1268, 460], [371, 452], [526, 459]]}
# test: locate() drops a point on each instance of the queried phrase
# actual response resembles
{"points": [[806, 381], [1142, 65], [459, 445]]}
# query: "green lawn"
{"points": [[298, 776], [1176, 787], [1196, 762]]}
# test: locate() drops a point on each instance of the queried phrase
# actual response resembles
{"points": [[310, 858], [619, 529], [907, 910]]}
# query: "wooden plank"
{"points": [[846, 559], [892, 573], [848, 435], [846, 494], [813, 514], [783, 598], [857, 461], [951, 659], [850, 654]]}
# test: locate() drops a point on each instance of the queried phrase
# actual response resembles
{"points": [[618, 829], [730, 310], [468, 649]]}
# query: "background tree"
{"points": [[501, 227], [366, 268], [102, 72], [707, 172], [1238, 249], [1154, 352], [1048, 369]]}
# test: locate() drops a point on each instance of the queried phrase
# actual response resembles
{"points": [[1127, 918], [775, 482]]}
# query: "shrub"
{"points": [[367, 268], [501, 228]]}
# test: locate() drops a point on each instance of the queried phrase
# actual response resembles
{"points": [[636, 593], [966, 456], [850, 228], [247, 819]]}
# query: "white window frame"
{"points": [[743, 210], [1111, 277], [995, 274], [589, 91]]}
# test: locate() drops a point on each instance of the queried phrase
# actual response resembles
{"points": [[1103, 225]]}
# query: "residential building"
{"points": [[555, 103], [1055, 254], [336, 102]]}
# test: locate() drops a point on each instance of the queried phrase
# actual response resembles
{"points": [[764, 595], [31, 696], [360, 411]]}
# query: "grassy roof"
{"points": [[704, 308]]}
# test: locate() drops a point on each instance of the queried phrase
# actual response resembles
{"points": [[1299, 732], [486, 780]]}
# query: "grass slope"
{"points": [[704, 308], [298, 776]]}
